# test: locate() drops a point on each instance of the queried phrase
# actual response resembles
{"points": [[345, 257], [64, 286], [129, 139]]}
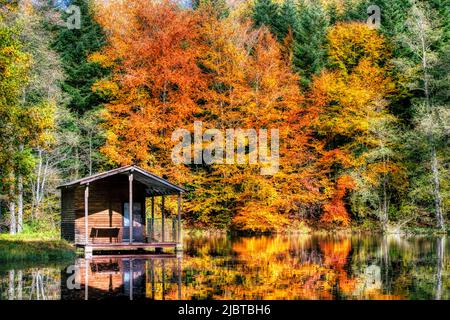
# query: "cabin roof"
{"points": [[155, 185]]}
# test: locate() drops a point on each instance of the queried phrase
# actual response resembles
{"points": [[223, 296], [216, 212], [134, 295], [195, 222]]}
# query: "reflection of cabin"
{"points": [[96, 211], [156, 277]]}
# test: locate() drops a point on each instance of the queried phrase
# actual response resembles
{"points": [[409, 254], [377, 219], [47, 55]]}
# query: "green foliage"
{"points": [[266, 12], [26, 248], [74, 47], [301, 27], [310, 55]]}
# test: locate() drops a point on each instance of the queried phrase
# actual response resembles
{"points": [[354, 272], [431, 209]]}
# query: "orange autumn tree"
{"points": [[253, 87], [172, 67], [353, 116], [153, 48]]}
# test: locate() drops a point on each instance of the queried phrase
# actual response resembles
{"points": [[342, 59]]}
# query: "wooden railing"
{"points": [[156, 232]]}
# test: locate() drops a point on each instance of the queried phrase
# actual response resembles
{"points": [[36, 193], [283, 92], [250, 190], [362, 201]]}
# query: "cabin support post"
{"points": [[86, 214], [179, 219], [152, 221], [130, 205], [162, 218]]}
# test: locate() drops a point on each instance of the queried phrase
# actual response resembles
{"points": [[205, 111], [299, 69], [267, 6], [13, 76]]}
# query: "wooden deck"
{"points": [[125, 247]]}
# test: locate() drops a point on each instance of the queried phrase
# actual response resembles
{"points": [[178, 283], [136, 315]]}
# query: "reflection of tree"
{"points": [[276, 267], [282, 267], [263, 268], [440, 261], [31, 284]]}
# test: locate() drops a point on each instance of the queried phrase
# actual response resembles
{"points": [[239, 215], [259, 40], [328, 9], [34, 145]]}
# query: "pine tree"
{"points": [[74, 47], [266, 12], [310, 41]]}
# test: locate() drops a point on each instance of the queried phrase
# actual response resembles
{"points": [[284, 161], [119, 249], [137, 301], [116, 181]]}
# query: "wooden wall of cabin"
{"points": [[68, 214], [106, 200]]}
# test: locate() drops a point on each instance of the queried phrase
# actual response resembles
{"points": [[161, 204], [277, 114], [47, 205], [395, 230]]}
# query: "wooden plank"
{"points": [[106, 257], [126, 245]]}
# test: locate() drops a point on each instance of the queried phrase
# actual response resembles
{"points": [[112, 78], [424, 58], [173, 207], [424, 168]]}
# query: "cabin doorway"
{"points": [[138, 225]]}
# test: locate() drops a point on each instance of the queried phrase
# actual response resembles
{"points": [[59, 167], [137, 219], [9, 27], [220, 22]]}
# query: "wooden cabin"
{"points": [[108, 211]]}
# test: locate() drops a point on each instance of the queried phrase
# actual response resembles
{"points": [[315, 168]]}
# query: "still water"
{"points": [[266, 267]]}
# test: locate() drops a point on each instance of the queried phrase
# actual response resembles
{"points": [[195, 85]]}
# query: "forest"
{"points": [[362, 110]]}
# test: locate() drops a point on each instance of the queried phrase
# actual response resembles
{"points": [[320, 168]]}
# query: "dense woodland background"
{"points": [[363, 113]]}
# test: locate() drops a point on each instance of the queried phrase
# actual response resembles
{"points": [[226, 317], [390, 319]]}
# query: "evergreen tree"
{"points": [[74, 47], [310, 41], [266, 12]]}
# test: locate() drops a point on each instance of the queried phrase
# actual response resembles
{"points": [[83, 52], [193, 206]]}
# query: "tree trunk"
{"points": [[436, 190], [385, 206], [433, 158], [20, 204], [12, 204], [12, 222], [77, 163], [38, 187], [90, 153]]}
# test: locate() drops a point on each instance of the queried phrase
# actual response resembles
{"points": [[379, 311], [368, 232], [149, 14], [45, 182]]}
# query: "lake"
{"points": [[263, 267]]}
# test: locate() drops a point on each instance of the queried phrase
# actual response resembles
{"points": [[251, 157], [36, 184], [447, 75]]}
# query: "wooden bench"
{"points": [[105, 232]]}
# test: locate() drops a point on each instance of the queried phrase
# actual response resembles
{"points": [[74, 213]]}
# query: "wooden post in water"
{"points": [[179, 277], [131, 279], [130, 205], [162, 219], [86, 279]]}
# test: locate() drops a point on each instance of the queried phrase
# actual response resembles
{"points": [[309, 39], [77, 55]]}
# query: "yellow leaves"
{"points": [[42, 120], [106, 88], [353, 120], [101, 59], [351, 42], [259, 218]]}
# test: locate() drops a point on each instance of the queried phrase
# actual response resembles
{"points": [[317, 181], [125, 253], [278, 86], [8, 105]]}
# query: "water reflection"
{"points": [[267, 267], [131, 277]]}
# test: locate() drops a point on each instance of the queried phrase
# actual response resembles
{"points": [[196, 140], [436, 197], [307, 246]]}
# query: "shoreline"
{"points": [[317, 230], [33, 248]]}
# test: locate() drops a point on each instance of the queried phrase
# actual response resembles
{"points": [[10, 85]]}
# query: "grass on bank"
{"points": [[34, 246]]}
